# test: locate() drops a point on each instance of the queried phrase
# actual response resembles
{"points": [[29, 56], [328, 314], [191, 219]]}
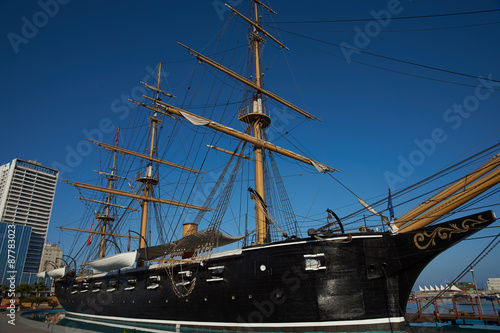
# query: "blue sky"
{"points": [[68, 68]]}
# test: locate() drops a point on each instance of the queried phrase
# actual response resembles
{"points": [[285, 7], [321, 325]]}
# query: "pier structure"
{"points": [[455, 316]]}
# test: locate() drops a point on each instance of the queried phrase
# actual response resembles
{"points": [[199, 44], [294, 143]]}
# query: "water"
{"points": [[58, 319], [74, 325]]}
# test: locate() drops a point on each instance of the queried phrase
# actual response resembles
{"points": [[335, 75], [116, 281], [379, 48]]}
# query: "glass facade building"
{"points": [[19, 249], [26, 196]]}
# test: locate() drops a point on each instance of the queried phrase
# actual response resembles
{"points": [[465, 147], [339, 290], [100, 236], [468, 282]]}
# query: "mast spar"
{"points": [[106, 218], [257, 122], [257, 118], [148, 179]]}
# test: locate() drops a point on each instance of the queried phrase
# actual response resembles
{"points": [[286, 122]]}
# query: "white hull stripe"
{"points": [[342, 238], [392, 320]]}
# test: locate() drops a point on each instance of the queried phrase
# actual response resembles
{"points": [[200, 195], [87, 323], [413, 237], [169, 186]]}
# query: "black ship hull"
{"points": [[354, 282]]}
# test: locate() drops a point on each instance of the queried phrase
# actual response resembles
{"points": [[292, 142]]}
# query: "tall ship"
{"points": [[166, 272]]}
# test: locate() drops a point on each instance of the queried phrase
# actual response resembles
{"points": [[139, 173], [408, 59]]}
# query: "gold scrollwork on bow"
{"points": [[424, 239]]}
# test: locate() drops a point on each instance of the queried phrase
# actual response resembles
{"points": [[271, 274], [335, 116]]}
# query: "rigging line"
{"points": [[191, 58], [426, 180], [210, 197], [225, 195], [190, 75], [481, 207], [485, 196], [317, 142], [391, 58], [440, 216], [210, 70], [401, 30], [399, 72], [218, 34], [319, 188], [338, 181], [476, 238], [192, 143], [398, 194], [473, 263], [293, 76], [441, 173], [445, 171], [214, 136], [477, 144], [303, 150], [392, 18]]}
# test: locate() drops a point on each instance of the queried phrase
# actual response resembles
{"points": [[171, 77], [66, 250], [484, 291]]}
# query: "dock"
{"points": [[451, 318], [454, 315]]}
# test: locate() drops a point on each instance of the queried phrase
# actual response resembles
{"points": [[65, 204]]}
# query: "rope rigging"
{"points": [[489, 247], [355, 217], [393, 18]]}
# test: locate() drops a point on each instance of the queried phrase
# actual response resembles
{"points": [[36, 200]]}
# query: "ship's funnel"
{"points": [[452, 189], [187, 230], [453, 202]]}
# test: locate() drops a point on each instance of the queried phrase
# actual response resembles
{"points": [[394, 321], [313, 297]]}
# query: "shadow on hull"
{"points": [[354, 282]]}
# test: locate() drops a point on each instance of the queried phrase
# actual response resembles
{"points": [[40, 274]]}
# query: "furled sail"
{"points": [[208, 238], [200, 121]]}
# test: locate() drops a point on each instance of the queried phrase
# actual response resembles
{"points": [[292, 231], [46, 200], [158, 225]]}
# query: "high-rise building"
{"points": [[26, 196], [13, 265], [493, 284], [51, 257]]}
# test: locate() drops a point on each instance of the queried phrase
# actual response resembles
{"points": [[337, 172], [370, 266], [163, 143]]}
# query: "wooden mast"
{"points": [[257, 118], [104, 219], [148, 179], [168, 109], [257, 121]]}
